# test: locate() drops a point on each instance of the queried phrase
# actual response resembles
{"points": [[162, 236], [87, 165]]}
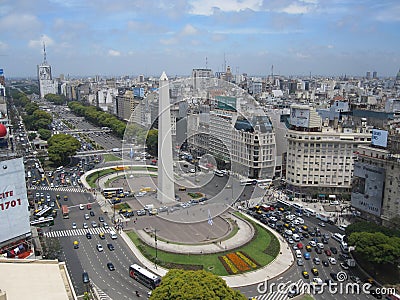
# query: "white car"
{"points": [[300, 220], [332, 260], [288, 232], [85, 226], [99, 247], [81, 207], [312, 244], [73, 225], [141, 194], [320, 245], [87, 217]]}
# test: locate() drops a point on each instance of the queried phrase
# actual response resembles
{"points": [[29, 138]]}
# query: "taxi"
{"points": [[76, 244], [314, 271], [305, 274], [102, 236]]}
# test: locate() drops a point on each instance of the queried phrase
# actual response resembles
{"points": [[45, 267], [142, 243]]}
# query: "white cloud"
{"points": [[295, 9], [170, 41], [330, 46], [207, 7], [302, 55], [189, 30], [19, 22], [3, 45], [39, 42], [113, 52]]}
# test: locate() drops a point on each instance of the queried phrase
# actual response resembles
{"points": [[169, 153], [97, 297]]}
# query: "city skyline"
{"points": [[138, 37]]}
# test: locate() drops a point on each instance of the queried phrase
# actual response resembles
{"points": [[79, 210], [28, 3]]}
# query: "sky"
{"points": [[132, 37]]}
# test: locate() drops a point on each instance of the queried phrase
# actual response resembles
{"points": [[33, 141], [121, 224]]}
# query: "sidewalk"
{"points": [[279, 265]]}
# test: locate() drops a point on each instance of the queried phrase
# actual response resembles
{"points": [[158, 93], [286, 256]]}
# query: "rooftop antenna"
{"points": [[272, 73], [44, 53], [206, 63], [224, 63]]}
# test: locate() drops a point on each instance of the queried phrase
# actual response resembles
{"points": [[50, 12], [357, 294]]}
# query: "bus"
{"points": [[248, 182], [283, 203], [65, 211], [322, 217], [144, 276], [42, 222], [309, 212], [113, 192], [264, 182], [45, 212]]}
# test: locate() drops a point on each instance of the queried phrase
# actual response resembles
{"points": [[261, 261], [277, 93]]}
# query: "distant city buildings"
{"points": [[46, 83]]}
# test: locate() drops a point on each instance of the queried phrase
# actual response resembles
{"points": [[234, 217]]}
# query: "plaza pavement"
{"points": [[279, 265]]}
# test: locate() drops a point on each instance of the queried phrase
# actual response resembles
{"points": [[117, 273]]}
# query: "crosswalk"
{"points": [[282, 293], [75, 232], [101, 295], [61, 189]]}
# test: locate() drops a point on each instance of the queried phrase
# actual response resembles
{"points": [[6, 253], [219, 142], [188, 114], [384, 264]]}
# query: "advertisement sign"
{"points": [[1, 71], [226, 103], [14, 213], [379, 138], [367, 188], [300, 117], [138, 92]]}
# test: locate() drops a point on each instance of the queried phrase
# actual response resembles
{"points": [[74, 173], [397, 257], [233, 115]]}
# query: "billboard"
{"points": [[226, 103], [138, 92], [367, 188], [379, 138], [300, 117], [14, 213]]}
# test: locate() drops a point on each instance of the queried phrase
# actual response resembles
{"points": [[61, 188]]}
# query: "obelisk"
{"points": [[165, 191]]}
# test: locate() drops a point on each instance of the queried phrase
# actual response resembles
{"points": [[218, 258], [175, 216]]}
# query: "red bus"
{"points": [[65, 211]]}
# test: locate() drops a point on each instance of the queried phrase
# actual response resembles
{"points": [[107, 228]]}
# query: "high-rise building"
{"points": [[368, 75], [375, 75], [320, 158], [46, 82]]}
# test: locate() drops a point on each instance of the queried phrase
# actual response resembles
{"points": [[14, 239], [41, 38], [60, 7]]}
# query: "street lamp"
{"points": [[155, 244]]}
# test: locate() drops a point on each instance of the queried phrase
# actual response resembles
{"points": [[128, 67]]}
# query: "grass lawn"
{"points": [[110, 157], [210, 262], [306, 297]]}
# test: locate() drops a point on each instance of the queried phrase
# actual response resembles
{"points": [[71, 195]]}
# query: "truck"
{"points": [[350, 262], [149, 207]]}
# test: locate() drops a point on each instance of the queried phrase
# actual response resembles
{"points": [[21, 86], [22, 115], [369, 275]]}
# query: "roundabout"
{"points": [[225, 248]]}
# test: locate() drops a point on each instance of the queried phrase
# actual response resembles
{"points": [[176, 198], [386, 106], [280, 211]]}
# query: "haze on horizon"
{"points": [[130, 37]]}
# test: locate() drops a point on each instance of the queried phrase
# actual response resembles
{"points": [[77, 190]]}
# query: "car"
{"points": [[344, 266], [141, 212], [332, 260], [355, 279], [110, 246], [322, 224], [305, 274], [85, 226], [89, 206], [110, 266], [102, 236], [76, 244], [334, 276], [299, 246], [300, 262], [88, 235], [85, 277], [318, 250], [316, 260], [94, 224], [320, 245], [375, 294], [101, 219], [308, 248], [81, 207], [315, 271], [325, 263], [333, 250], [305, 235], [99, 247], [290, 241], [87, 217], [105, 225], [92, 213], [312, 243], [328, 252], [74, 225], [307, 256]]}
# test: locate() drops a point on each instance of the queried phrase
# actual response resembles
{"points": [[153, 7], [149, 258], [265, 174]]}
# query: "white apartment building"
{"points": [[320, 159], [244, 140]]}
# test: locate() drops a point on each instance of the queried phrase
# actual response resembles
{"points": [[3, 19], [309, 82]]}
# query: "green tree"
{"points": [[61, 147], [31, 107], [56, 99], [44, 134], [32, 136], [152, 142], [376, 247], [187, 285]]}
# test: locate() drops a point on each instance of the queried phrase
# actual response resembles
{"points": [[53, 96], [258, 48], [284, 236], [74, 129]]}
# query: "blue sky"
{"points": [[131, 37]]}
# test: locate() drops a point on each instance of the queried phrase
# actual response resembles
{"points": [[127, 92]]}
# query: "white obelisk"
{"points": [[165, 191]]}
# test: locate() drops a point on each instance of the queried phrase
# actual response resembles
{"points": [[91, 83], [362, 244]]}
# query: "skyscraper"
{"points": [[46, 82]]}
